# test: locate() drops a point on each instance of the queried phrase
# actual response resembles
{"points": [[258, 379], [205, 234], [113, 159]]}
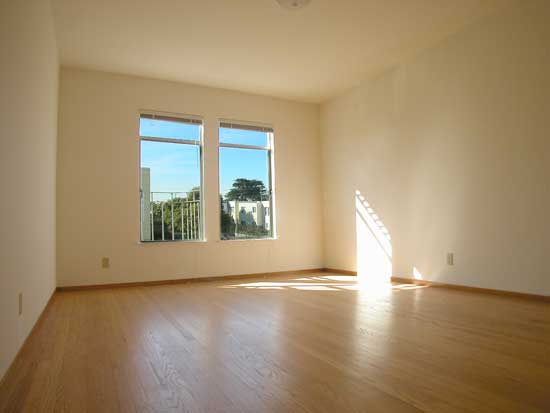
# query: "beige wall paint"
{"points": [[451, 151], [98, 182], [28, 122]]}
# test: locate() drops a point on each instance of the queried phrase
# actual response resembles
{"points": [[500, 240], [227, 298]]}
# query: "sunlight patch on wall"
{"points": [[373, 244]]}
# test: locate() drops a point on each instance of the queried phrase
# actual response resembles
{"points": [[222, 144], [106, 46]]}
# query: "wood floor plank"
{"points": [[445, 356], [261, 358], [294, 343]]}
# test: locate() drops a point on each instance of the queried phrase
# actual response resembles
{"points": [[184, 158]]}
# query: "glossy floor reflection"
{"points": [[315, 343]]}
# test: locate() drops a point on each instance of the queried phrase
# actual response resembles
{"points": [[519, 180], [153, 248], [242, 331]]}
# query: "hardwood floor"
{"points": [[305, 343]]}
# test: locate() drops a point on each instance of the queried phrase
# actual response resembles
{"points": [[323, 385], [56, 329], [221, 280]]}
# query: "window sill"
{"points": [[172, 242], [248, 239]]}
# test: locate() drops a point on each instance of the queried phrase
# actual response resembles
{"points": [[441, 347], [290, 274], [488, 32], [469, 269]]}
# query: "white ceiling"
{"points": [[255, 45]]}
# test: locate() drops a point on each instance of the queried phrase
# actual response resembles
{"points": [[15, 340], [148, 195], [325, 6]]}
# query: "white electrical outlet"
{"points": [[450, 258], [105, 263]]}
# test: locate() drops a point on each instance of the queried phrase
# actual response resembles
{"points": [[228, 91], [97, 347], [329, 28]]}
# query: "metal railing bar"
{"points": [[182, 220], [172, 208], [162, 218], [152, 225], [187, 217]]}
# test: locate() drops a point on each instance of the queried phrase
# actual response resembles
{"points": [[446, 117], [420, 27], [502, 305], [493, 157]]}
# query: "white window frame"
{"points": [[193, 119], [270, 148]]}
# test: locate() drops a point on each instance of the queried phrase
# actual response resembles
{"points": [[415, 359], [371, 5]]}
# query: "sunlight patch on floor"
{"points": [[332, 283]]}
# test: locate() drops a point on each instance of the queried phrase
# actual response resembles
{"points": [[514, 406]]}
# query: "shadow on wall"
{"points": [[373, 244]]}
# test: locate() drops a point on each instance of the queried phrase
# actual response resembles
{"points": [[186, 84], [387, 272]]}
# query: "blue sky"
{"points": [[175, 167], [242, 163]]}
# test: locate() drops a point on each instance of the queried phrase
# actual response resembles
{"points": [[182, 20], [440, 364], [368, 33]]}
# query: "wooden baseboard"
{"points": [[301, 272], [337, 271], [527, 296], [187, 280], [459, 287], [34, 327]]}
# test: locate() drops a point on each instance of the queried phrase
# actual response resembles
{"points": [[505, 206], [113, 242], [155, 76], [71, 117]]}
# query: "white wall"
{"points": [[451, 150], [28, 121], [98, 182]]}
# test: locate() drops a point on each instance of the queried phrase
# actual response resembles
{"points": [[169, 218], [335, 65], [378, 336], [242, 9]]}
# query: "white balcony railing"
{"points": [[171, 216]]}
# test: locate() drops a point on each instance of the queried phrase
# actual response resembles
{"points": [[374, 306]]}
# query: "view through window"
{"points": [[246, 195], [171, 196]]}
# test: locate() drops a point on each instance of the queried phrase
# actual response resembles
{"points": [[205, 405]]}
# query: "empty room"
{"points": [[275, 206]]}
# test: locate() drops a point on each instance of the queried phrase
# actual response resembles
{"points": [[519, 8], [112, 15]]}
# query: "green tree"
{"points": [[247, 190], [186, 226]]}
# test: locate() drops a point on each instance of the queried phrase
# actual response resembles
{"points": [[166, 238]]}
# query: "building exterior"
{"points": [[249, 212]]}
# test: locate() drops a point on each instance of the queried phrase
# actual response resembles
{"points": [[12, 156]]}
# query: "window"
{"points": [[246, 181], [170, 188]]}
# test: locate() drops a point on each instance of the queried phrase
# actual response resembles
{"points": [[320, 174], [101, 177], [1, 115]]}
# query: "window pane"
{"points": [[170, 191], [243, 137], [157, 128], [245, 193]]}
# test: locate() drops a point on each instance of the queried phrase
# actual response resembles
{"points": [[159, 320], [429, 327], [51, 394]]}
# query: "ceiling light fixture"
{"points": [[293, 4]]}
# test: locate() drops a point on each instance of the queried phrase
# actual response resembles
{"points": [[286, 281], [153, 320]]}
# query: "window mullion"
{"points": [[241, 146], [170, 140]]}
